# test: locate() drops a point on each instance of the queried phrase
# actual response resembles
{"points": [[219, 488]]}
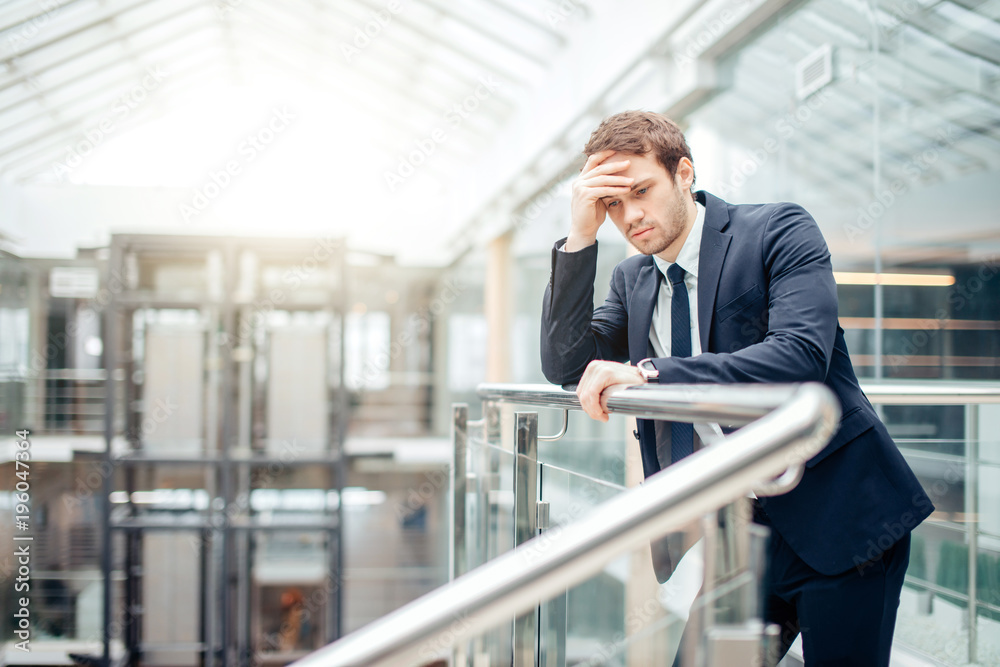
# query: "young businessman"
{"points": [[737, 293]]}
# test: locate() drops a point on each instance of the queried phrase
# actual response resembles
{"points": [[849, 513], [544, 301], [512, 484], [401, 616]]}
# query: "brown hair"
{"points": [[641, 132]]}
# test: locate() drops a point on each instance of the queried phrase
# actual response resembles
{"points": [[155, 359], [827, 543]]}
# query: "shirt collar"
{"points": [[691, 250]]}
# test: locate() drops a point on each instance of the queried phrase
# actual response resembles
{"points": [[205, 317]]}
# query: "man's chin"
{"points": [[649, 248]]}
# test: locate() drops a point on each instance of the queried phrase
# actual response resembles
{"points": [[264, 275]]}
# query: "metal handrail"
{"points": [[936, 392], [797, 422]]}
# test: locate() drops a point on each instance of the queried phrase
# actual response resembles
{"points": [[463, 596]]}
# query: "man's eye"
{"points": [[641, 191], [612, 204]]}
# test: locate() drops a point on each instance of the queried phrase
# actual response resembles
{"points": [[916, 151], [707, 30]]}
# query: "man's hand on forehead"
{"points": [[600, 178]]}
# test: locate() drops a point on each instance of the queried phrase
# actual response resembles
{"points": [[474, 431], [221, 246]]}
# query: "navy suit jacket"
{"points": [[767, 312]]}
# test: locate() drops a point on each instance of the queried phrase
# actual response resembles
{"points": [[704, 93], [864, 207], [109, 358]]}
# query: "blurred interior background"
{"points": [[252, 251]]}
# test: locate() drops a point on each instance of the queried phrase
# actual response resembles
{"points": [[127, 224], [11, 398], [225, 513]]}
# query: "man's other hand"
{"points": [[597, 179], [599, 376]]}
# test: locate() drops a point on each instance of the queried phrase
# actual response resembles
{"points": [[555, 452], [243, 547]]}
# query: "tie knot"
{"points": [[675, 274]]}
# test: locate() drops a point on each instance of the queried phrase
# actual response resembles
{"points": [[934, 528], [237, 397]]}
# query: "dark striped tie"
{"points": [[681, 435]]}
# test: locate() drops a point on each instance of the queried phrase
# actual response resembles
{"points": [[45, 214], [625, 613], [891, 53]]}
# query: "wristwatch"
{"points": [[648, 370]]}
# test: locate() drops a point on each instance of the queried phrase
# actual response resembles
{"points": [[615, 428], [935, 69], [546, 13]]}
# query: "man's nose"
{"points": [[633, 213]]}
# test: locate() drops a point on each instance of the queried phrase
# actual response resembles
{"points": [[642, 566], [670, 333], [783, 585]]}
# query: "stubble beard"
{"points": [[675, 218]]}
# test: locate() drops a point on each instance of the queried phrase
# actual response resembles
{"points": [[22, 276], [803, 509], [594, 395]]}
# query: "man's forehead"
{"points": [[618, 156], [640, 166]]}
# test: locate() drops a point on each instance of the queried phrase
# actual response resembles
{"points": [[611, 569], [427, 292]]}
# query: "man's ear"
{"points": [[684, 174]]}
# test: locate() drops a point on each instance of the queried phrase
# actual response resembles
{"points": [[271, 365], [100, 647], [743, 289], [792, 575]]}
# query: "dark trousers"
{"points": [[846, 620]]}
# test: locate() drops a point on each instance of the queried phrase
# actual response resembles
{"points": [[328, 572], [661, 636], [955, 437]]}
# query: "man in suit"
{"points": [[728, 293]]}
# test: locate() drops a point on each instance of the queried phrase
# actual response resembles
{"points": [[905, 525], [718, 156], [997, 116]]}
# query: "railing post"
{"points": [[731, 633], [497, 643], [459, 479], [972, 520], [457, 551], [552, 622], [525, 524]]}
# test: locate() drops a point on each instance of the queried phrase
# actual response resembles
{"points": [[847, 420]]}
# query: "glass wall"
{"points": [[881, 119]]}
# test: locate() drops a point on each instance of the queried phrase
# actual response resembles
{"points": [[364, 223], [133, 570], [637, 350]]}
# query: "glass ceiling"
{"points": [[67, 66]]}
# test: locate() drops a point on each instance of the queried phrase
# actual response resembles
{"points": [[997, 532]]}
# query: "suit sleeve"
{"points": [[574, 333], [801, 313]]}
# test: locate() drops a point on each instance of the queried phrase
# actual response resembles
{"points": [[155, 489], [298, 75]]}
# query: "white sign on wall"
{"points": [[73, 282]]}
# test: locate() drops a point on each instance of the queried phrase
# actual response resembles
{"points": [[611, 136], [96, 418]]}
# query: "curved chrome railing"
{"points": [[785, 426]]}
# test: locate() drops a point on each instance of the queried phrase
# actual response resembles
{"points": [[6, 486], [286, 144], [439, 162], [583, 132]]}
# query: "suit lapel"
{"points": [[714, 245], [640, 311]]}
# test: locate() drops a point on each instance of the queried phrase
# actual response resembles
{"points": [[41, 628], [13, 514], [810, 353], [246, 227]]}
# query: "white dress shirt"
{"points": [[659, 332], [687, 258]]}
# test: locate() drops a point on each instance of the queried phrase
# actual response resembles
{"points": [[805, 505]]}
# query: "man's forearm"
{"points": [[572, 334]]}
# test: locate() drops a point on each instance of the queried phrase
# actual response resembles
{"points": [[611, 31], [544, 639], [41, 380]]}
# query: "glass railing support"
{"points": [[459, 489], [457, 551], [526, 525], [972, 521], [552, 648], [730, 628]]}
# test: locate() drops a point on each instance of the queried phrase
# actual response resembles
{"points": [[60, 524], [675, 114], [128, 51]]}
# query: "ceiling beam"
{"points": [[528, 19], [107, 18], [155, 23], [76, 78], [465, 54], [479, 28], [405, 54], [22, 23]]}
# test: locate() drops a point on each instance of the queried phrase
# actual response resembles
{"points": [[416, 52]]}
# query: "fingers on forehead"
{"points": [[600, 156]]}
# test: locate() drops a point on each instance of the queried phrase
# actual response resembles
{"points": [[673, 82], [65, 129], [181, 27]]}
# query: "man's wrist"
{"points": [[576, 242]]}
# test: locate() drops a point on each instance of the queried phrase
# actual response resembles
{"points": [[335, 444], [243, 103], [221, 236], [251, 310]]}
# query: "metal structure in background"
{"points": [[784, 426], [234, 291]]}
